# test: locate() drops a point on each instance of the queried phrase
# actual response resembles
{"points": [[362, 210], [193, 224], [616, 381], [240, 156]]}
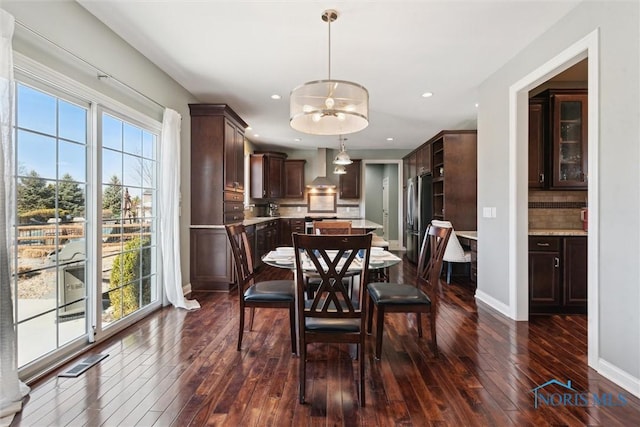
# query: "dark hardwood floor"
{"points": [[179, 368]]}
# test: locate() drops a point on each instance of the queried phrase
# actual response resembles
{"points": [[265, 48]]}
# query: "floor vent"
{"points": [[81, 367]]}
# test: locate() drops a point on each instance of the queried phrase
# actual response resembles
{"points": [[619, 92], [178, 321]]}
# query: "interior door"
{"points": [[385, 208]]}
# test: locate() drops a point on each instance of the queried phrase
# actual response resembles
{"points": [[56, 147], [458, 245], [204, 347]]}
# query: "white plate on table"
{"points": [[376, 262], [287, 261], [378, 255]]}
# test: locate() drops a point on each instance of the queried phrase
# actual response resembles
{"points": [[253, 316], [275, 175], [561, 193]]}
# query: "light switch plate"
{"points": [[488, 212]]}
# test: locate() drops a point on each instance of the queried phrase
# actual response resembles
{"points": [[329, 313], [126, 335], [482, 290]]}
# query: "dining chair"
{"points": [[454, 251], [252, 294], [326, 227], [410, 298], [332, 227], [334, 315]]}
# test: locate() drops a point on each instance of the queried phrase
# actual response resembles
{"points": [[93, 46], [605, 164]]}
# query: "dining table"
{"points": [[284, 257]]}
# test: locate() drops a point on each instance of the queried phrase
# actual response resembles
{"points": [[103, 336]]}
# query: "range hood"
{"points": [[321, 181]]}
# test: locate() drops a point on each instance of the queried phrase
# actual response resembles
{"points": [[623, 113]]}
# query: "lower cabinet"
{"points": [[211, 266], [267, 239], [557, 275], [288, 227]]}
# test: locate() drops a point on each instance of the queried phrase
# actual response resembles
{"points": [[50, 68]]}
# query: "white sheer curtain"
{"points": [[12, 390], [170, 209]]}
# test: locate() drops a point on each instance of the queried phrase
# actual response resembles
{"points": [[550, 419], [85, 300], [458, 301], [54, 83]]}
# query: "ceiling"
{"points": [[242, 52]]}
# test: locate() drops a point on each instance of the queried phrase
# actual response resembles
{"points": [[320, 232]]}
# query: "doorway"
{"points": [[518, 176], [373, 206]]}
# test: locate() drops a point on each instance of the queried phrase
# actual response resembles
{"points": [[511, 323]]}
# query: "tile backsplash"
{"points": [[556, 209]]}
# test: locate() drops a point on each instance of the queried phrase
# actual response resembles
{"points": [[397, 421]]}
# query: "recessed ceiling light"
{"points": [[389, 139], [298, 139], [256, 135], [275, 96], [248, 128], [427, 94], [477, 105]]}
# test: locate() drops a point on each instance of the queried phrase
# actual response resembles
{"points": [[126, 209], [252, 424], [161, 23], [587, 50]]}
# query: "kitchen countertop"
{"points": [[355, 222], [556, 232]]}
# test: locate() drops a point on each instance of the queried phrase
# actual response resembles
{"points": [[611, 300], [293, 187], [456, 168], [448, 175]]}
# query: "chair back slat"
{"points": [[332, 258], [331, 227], [431, 256], [242, 256]]}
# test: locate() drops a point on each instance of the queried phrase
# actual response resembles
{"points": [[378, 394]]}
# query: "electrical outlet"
{"points": [[348, 209], [299, 209]]}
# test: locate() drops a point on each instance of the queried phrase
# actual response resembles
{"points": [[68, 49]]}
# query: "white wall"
{"points": [[72, 27], [619, 174]]}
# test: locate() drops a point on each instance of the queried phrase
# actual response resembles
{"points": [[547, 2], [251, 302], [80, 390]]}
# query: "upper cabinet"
{"points": [[349, 185], [233, 157], [454, 178], [267, 175], [217, 165], [569, 140], [294, 179], [423, 159], [558, 140]]}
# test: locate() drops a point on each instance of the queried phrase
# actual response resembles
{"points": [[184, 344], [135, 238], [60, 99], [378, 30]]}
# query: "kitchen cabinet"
{"points": [[289, 226], [423, 159], [267, 175], [267, 237], [537, 173], [558, 144], [349, 183], [569, 140], [557, 275], [217, 192], [454, 177], [294, 179]]}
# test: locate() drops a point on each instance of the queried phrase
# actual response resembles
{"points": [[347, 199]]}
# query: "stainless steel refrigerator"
{"points": [[419, 208]]}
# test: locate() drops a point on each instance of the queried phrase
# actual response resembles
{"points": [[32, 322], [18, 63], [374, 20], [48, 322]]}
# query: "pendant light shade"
{"points": [[329, 107], [342, 158]]}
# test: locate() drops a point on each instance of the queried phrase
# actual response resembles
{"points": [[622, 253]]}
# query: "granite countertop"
{"points": [[557, 232], [355, 222]]}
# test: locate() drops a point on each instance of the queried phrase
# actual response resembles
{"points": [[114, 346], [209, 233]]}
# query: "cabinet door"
{"points": [[239, 160], [350, 182], [536, 144], [569, 141], [544, 281], [275, 173], [232, 182], [413, 164], [575, 272], [294, 179], [211, 260], [423, 159]]}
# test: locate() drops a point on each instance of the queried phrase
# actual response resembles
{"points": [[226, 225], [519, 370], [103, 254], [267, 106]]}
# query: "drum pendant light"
{"points": [[329, 107]]}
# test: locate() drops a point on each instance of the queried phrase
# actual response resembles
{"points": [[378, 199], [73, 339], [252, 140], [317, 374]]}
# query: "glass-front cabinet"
{"points": [[569, 141]]}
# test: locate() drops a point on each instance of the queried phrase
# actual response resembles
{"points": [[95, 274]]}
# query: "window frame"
{"points": [[43, 78]]}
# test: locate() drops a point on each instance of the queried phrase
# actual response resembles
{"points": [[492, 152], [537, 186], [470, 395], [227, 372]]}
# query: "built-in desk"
{"points": [[469, 239]]}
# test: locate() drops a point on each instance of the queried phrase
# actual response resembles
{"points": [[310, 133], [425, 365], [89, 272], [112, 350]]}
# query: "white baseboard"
{"points": [[620, 377], [186, 289], [494, 303]]}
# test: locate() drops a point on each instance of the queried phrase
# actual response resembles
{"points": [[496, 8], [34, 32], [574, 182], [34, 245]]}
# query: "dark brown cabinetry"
{"points": [[289, 226], [349, 185], [558, 140], [536, 144], [267, 175], [294, 179], [557, 275], [267, 238], [423, 159], [217, 174], [454, 177]]}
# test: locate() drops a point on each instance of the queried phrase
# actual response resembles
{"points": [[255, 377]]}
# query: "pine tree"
{"points": [[70, 196], [112, 197], [34, 193]]}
